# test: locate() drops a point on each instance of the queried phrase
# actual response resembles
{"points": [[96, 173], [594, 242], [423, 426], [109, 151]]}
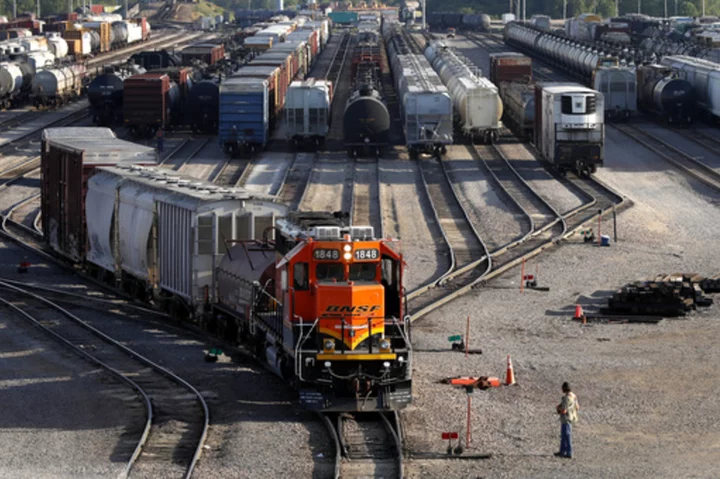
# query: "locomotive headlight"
{"points": [[347, 248], [347, 256], [329, 345], [384, 345], [401, 359], [386, 364], [327, 364]]}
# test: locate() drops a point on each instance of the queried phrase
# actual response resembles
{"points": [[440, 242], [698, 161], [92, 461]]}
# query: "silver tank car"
{"points": [[426, 105], [56, 86], [594, 67], [476, 100]]}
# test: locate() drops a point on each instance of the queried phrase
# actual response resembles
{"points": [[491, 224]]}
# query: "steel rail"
{"points": [[681, 160]]}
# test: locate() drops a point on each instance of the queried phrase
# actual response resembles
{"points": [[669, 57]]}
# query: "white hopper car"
{"points": [[166, 234], [476, 99], [570, 127], [425, 104], [307, 111], [703, 75]]}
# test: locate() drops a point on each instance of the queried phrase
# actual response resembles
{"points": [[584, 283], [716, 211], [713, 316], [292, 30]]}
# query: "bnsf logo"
{"points": [[362, 308]]}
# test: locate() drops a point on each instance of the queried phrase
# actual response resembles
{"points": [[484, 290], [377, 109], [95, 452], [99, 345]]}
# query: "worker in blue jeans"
{"points": [[568, 411]]}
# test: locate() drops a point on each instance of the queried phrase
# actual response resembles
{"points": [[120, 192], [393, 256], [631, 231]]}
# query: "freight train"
{"points": [[704, 76], [319, 301], [565, 120], [252, 98], [478, 107], [366, 120], [425, 103], [462, 21], [106, 94], [24, 56], [662, 93], [570, 127], [605, 73], [513, 75], [307, 112]]}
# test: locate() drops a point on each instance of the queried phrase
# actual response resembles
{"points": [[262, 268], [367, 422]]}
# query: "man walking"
{"points": [[160, 142], [568, 411]]}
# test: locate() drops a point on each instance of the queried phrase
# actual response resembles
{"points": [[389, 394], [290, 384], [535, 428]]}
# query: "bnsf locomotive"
{"points": [[323, 306]]}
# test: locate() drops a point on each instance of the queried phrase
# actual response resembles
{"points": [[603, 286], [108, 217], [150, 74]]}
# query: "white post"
{"points": [[564, 9], [639, 6], [424, 5], [703, 8], [617, 8], [525, 8]]}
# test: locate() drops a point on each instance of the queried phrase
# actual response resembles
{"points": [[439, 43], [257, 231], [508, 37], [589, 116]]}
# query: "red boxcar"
{"points": [[208, 53], [149, 100], [69, 157]]}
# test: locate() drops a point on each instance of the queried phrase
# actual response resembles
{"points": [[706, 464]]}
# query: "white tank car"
{"points": [[55, 86], [11, 79], [476, 100], [40, 60], [172, 229], [57, 45], [34, 44]]}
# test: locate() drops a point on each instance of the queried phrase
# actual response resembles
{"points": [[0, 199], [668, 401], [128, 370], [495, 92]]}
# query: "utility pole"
{"points": [[666, 13], [617, 7], [38, 8], [424, 23], [14, 9], [524, 2], [639, 6], [703, 8], [564, 9]]}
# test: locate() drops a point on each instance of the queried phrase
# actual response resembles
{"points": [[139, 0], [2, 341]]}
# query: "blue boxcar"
{"points": [[244, 105]]}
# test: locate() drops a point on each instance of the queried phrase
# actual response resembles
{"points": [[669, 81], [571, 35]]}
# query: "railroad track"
{"points": [[366, 208], [177, 417], [367, 444], [480, 268], [196, 146], [681, 160], [469, 256], [329, 186], [295, 182], [230, 172], [70, 118]]}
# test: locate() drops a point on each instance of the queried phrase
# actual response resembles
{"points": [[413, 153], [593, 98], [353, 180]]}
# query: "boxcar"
{"points": [[69, 158]]}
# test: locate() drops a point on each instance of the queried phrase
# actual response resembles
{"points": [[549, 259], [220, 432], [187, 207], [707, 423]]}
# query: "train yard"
{"points": [[467, 223]]}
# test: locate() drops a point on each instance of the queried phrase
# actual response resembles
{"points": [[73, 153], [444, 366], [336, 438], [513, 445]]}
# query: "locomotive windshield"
{"points": [[363, 271], [329, 272]]}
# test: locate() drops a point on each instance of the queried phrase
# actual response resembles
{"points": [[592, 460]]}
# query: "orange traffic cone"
{"points": [[510, 375], [579, 314]]}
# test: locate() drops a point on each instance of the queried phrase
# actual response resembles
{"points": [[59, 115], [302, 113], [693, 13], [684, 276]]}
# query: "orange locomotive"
{"points": [[325, 311]]}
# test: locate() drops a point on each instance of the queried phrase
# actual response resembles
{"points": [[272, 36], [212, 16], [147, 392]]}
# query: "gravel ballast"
{"points": [[633, 381], [63, 417]]}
